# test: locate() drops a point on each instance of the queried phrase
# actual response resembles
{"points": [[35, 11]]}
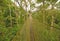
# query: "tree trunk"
{"points": [[10, 16], [52, 18], [43, 11], [52, 22]]}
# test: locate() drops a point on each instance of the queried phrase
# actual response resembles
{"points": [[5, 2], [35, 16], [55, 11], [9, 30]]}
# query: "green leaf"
{"points": [[52, 1]]}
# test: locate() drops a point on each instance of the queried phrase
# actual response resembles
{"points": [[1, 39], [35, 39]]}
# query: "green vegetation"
{"points": [[19, 24]]}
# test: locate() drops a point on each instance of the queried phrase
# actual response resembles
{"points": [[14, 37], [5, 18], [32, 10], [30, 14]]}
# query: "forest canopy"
{"points": [[29, 20]]}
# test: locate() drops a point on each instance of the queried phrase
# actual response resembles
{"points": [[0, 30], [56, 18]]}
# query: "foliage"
{"points": [[13, 18]]}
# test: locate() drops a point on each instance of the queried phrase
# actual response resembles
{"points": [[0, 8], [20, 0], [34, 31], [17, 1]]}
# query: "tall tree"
{"points": [[42, 9], [52, 2]]}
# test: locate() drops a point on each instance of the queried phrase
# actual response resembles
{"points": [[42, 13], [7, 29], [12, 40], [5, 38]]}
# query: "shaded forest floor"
{"points": [[36, 31]]}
